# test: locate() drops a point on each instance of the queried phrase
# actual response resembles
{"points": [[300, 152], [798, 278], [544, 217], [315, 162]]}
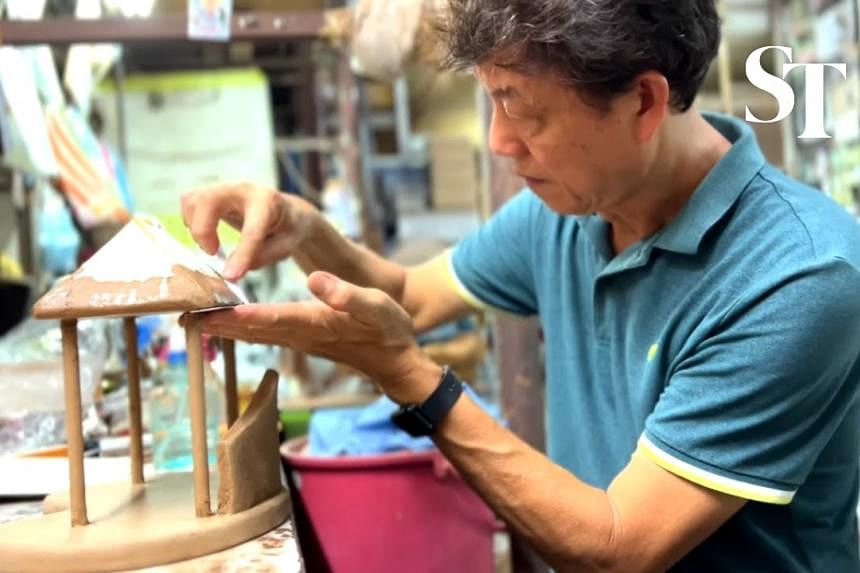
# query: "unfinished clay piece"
{"points": [[142, 270], [131, 527], [134, 525], [249, 468], [142, 524]]}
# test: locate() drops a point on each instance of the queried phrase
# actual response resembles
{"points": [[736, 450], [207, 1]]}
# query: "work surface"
{"points": [[275, 552]]}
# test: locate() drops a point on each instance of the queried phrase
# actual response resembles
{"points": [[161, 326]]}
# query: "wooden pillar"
{"points": [[349, 103], [197, 400], [517, 351], [308, 114], [135, 422], [74, 431], [231, 391]]}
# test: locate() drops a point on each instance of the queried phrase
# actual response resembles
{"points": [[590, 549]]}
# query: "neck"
{"points": [[689, 148]]}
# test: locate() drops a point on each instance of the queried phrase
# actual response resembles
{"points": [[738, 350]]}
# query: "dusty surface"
{"points": [[274, 552], [132, 528]]}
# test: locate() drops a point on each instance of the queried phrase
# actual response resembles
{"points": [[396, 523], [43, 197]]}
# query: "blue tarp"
{"points": [[368, 430]]}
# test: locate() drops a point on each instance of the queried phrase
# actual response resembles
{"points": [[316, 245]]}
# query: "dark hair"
{"points": [[595, 46]]}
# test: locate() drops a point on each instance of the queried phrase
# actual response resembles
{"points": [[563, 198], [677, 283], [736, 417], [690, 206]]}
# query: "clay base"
{"points": [[131, 527]]}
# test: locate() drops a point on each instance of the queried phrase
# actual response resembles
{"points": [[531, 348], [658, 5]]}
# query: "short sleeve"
{"points": [[492, 267], [750, 408]]}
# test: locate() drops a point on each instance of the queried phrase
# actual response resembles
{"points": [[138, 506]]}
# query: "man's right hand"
{"points": [[271, 223], [275, 226]]}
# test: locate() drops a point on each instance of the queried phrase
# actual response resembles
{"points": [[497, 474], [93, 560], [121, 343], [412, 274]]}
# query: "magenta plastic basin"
{"points": [[393, 513]]}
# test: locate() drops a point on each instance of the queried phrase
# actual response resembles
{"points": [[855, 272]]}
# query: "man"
{"points": [[700, 309]]}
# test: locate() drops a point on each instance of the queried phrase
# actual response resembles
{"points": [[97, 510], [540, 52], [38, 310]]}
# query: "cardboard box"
{"points": [[453, 173]]}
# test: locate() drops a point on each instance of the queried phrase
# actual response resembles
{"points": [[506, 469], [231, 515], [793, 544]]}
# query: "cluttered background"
{"points": [[111, 109]]}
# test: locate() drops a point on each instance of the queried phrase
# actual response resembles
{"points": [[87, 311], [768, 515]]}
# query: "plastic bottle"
{"points": [[170, 419]]}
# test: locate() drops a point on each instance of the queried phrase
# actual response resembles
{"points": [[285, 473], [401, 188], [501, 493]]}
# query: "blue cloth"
{"points": [[448, 331], [725, 348], [368, 430]]}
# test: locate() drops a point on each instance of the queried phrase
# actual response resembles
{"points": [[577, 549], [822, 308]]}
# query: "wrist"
{"points": [[424, 419], [417, 383]]}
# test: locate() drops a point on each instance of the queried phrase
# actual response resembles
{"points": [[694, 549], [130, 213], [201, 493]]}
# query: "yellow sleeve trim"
{"points": [[447, 259], [710, 480]]}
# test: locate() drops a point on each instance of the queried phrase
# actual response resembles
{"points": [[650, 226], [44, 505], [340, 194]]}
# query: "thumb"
{"points": [[361, 303]]}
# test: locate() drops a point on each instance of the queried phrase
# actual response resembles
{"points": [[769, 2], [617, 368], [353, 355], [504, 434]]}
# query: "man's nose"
{"points": [[503, 139]]}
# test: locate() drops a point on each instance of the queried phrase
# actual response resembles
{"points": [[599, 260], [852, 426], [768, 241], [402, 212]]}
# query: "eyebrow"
{"points": [[504, 93]]}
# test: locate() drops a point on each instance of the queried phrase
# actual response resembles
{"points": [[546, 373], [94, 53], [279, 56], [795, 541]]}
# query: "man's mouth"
{"points": [[532, 181]]}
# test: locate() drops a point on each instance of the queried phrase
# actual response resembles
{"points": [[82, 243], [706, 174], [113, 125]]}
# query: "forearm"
{"points": [[325, 249], [571, 524], [422, 291]]}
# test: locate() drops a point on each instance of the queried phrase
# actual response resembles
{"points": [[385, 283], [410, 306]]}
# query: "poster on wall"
{"points": [[183, 132], [209, 19]]}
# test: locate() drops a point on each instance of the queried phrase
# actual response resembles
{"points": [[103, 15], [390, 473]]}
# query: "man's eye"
{"points": [[514, 111]]}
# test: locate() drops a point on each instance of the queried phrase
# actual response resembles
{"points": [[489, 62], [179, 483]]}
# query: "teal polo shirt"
{"points": [[725, 348]]}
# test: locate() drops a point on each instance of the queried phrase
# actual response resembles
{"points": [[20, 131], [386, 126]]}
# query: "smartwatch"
{"points": [[420, 420]]}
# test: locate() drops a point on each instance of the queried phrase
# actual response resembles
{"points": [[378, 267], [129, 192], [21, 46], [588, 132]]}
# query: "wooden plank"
{"points": [[257, 26]]}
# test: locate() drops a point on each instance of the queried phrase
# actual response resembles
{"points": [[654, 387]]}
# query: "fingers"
{"points": [[260, 316], [252, 209], [361, 303], [255, 230], [204, 230], [299, 325], [201, 212]]}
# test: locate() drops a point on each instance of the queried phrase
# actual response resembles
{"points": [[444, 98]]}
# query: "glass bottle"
{"points": [[170, 418]]}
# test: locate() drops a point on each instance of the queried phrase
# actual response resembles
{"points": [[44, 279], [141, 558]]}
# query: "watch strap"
{"points": [[423, 419]]}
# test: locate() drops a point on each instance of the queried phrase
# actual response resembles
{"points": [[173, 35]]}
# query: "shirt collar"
{"points": [[714, 196], [720, 189]]}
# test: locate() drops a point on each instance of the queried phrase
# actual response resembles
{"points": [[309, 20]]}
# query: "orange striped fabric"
{"points": [[91, 191]]}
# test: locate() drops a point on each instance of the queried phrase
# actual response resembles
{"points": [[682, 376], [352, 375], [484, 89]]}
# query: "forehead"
{"points": [[503, 82], [498, 78]]}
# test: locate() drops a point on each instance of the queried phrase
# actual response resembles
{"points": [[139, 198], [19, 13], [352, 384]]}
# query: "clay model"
{"points": [[142, 524]]}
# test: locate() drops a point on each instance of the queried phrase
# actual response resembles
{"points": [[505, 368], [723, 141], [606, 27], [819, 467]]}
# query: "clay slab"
{"points": [[132, 526]]}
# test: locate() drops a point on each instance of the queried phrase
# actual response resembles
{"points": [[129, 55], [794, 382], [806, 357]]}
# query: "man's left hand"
{"points": [[362, 328]]}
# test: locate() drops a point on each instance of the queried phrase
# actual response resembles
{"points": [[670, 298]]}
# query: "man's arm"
{"points": [[646, 521], [275, 226], [425, 291]]}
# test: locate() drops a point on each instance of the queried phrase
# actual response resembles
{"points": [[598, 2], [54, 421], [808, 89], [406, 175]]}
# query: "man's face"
{"points": [[579, 160]]}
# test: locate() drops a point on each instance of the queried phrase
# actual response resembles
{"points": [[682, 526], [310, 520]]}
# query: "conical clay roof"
{"points": [[142, 270]]}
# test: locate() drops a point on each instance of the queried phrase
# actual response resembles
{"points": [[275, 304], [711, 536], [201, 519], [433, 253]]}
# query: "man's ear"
{"points": [[651, 92]]}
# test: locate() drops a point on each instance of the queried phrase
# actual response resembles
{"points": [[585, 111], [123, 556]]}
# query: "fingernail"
{"points": [[230, 272]]}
